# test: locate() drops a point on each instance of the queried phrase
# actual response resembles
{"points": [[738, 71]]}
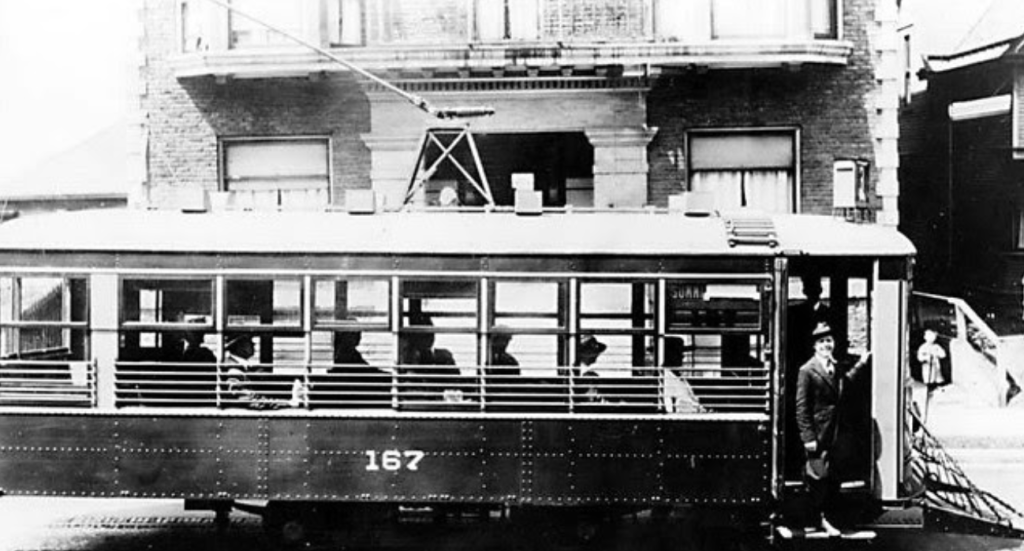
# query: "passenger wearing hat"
{"points": [[506, 364], [802, 316], [587, 352], [238, 353], [353, 380], [821, 383]]}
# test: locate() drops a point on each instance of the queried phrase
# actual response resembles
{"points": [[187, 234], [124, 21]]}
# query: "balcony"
{"points": [[499, 37]]}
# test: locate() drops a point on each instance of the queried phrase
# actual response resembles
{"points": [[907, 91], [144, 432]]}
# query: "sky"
{"points": [[64, 66]]}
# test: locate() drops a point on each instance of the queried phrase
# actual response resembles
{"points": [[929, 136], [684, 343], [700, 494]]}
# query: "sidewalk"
{"points": [[959, 425]]}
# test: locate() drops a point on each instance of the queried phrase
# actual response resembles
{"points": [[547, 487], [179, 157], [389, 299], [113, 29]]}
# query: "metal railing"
{"points": [[47, 383], [533, 389], [948, 491]]}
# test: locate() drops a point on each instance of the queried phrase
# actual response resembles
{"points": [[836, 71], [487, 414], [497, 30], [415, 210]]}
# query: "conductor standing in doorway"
{"points": [[820, 386]]}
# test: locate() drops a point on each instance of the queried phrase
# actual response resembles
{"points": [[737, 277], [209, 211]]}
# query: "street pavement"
{"points": [[987, 443]]}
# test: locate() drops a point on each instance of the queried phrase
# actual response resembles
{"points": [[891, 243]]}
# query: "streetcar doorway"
{"points": [[561, 165], [840, 297]]}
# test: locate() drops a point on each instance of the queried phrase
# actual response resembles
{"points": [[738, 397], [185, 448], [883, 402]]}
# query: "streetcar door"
{"points": [[838, 293]]}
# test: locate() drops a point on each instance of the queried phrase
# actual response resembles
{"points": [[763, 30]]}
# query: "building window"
{"points": [[745, 169], [285, 173], [498, 20], [825, 18], [748, 19], [246, 33], [347, 18], [417, 22]]}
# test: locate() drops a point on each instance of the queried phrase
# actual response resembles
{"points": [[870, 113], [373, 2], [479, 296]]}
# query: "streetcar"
{"points": [[563, 369]]}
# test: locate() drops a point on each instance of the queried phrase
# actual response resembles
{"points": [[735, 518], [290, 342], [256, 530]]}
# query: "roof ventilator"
{"points": [[747, 230]]}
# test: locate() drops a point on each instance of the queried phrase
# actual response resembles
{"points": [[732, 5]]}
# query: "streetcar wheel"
{"points": [[293, 533], [288, 525], [550, 529]]}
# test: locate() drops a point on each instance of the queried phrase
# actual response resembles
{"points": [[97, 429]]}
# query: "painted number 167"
{"points": [[393, 460]]}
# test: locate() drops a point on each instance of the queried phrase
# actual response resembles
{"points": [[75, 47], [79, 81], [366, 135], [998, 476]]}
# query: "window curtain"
{"points": [[289, 174], [765, 190]]}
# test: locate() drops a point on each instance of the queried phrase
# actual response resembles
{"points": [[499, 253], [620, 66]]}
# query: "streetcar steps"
{"points": [[950, 501]]}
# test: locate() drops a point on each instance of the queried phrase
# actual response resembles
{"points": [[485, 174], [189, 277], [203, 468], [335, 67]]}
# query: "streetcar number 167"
{"points": [[393, 460]]}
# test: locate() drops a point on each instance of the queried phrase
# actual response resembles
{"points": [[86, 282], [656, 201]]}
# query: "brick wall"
{"points": [[829, 105], [186, 117], [825, 104]]}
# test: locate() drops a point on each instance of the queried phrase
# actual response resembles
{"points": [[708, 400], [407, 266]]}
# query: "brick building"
{"points": [[621, 103], [962, 168]]}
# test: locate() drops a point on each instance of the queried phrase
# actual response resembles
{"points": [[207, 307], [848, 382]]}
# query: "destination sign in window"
{"points": [[704, 306]]}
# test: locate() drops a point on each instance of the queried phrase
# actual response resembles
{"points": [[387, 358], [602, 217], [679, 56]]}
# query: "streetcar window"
{"points": [[712, 307], [264, 302], [44, 341], [529, 304], [168, 352], [528, 326], [715, 347], [331, 347], [352, 367], [353, 351], [437, 352], [621, 317], [445, 311], [355, 301], [445, 303], [156, 301], [40, 314]]}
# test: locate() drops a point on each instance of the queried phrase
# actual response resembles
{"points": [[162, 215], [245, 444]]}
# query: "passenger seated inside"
{"points": [[197, 370], [587, 353], [354, 381], [678, 395], [194, 351], [240, 388], [504, 365], [346, 351], [438, 372]]}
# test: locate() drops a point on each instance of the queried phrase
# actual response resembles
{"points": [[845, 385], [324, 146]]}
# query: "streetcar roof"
{"points": [[450, 233]]}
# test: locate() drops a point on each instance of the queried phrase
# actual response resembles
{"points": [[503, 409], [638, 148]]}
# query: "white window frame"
{"points": [[302, 26], [794, 131], [226, 143], [837, 22]]}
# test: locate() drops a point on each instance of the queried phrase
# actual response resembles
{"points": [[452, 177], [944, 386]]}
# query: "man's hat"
{"points": [[237, 340], [821, 331], [589, 343]]}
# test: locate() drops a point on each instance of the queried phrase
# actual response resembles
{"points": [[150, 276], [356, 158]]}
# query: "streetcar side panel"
{"points": [[399, 460]]}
